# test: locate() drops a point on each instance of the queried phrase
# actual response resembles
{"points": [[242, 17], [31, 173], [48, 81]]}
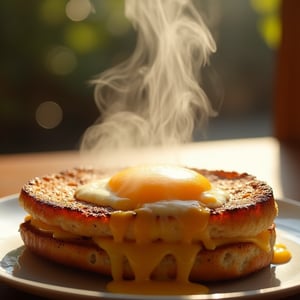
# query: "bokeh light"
{"points": [[268, 24], [270, 29], [49, 114], [78, 10]]}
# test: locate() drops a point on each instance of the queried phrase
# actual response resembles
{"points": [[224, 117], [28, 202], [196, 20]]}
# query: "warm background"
{"points": [[50, 49]]}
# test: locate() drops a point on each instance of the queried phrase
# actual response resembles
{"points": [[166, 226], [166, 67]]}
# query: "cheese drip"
{"points": [[145, 255], [281, 254], [171, 221], [143, 258]]}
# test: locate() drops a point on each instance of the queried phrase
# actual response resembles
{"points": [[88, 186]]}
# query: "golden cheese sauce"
{"points": [[144, 255], [143, 258], [281, 254]]}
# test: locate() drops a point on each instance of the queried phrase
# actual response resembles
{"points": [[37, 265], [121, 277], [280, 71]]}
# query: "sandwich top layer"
{"points": [[248, 209]]}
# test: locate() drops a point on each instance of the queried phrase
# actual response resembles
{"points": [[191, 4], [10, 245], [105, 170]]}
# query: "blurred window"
{"points": [[50, 49]]}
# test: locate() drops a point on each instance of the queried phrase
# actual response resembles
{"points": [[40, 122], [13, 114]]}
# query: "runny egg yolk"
{"points": [[147, 184]]}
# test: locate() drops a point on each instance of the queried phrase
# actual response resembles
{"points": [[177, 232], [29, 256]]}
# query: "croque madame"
{"points": [[223, 229]]}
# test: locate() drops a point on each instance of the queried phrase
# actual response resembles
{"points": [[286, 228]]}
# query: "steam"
{"points": [[154, 97]]}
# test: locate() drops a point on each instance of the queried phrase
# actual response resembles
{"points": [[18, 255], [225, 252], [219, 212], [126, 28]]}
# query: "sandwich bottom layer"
{"points": [[228, 261]]}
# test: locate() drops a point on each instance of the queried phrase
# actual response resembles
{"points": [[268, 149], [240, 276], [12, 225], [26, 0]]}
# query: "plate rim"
{"points": [[28, 285]]}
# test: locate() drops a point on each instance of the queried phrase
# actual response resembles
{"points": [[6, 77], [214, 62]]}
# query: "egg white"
{"points": [[99, 193]]}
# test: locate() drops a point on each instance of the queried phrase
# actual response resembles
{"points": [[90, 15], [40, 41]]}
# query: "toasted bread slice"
{"points": [[249, 210]]}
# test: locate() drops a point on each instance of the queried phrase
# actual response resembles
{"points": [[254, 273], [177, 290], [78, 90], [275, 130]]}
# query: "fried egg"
{"points": [[157, 187]]}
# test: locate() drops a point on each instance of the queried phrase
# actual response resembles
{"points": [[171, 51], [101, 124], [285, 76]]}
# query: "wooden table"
{"points": [[268, 159]]}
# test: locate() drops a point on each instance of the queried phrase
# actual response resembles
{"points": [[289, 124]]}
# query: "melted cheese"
{"points": [[281, 254], [145, 255], [152, 221], [143, 258]]}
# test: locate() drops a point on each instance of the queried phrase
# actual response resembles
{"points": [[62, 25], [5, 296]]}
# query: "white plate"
{"points": [[21, 269]]}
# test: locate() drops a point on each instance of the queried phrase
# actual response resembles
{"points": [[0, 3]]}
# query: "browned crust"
{"points": [[226, 262], [250, 208]]}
